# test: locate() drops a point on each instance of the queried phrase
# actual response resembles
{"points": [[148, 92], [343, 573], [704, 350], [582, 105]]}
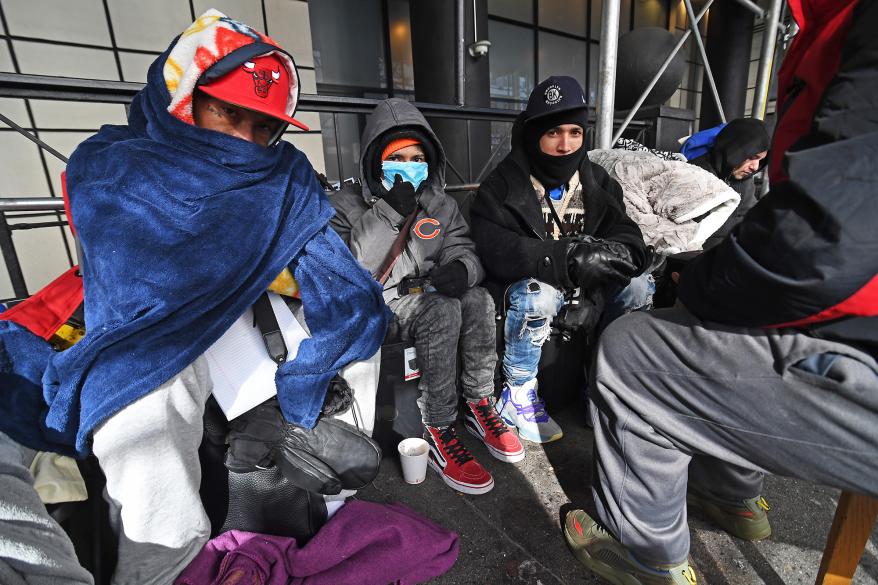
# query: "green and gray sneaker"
{"points": [[603, 555], [746, 519]]}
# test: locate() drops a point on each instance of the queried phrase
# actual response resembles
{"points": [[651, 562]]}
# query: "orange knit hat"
{"points": [[395, 145]]}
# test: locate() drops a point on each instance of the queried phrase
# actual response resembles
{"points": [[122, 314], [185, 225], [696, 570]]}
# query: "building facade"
{"points": [[347, 48]]}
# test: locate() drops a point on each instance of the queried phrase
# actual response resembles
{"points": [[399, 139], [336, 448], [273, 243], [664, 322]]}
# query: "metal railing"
{"points": [[31, 209]]}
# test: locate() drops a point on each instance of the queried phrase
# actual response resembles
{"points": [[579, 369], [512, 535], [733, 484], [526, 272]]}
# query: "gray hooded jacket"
{"points": [[369, 226]]}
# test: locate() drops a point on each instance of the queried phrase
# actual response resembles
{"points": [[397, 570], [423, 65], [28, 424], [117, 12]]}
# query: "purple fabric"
{"points": [[363, 544]]}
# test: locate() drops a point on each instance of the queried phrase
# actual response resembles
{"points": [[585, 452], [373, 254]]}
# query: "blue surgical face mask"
{"points": [[413, 172]]}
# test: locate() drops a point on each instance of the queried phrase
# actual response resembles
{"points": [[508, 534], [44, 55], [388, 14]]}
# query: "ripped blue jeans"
{"points": [[531, 306]]}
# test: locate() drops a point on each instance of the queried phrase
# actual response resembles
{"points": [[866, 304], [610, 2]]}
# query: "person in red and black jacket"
{"points": [[768, 363]]}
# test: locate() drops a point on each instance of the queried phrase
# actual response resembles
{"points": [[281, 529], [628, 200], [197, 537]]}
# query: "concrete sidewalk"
{"points": [[513, 535]]}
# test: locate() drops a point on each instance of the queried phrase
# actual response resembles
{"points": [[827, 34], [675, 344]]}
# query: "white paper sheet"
{"points": [[242, 372]]}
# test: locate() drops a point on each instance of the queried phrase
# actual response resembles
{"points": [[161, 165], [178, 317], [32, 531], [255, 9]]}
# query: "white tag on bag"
{"points": [[410, 365]]}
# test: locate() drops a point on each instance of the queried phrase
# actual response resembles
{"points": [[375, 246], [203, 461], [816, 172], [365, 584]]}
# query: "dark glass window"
{"points": [[512, 60], [344, 58], [562, 56]]}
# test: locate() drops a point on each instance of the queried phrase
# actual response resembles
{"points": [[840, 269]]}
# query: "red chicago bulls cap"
{"points": [[264, 84]]}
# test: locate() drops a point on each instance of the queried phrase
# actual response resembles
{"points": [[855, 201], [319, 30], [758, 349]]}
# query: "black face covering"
{"points": [[553, 171], [739, 140]]}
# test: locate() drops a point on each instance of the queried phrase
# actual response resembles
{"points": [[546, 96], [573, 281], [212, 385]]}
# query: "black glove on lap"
{"points": [[592, 263], [452, 280], [401, 197]]}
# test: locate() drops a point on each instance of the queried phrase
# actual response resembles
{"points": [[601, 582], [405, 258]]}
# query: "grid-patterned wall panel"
{"points": [[114, 40]]}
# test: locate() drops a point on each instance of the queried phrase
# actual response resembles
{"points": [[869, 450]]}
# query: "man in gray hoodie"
{"points": [[400, 224]]}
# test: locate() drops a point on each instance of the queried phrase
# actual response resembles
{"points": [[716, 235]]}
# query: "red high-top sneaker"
{"points": [[454, 463], [481, 420]]}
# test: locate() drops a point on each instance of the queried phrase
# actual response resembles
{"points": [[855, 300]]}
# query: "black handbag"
{"points": [[325, 459], [261, 501]]}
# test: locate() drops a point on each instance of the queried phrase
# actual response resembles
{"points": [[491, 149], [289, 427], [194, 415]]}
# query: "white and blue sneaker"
{"points": [[521, 407]]}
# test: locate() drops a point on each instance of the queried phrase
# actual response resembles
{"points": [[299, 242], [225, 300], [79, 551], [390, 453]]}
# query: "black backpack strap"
{"points": [[265, 319], [554, 215]]}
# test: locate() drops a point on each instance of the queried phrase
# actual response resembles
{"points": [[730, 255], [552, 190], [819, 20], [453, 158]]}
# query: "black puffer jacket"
{"points": [[510, 232]]}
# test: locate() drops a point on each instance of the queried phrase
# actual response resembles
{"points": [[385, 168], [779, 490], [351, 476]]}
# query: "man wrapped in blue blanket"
{"points": [[186, 216]]}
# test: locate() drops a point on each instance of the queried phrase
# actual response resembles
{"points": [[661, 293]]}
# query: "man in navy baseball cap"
{"points": [[558, 105], [550, 226], [556, 94]]}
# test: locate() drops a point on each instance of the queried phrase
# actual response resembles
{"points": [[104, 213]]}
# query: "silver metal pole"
{"points": [[754, 8], [698, 41], [633, 111], [475, 24], [31, 204], [461, 51], [769, 45], [607, 74]]}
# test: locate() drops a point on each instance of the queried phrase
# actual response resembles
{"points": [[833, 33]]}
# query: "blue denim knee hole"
{"points": [[531, 305]]}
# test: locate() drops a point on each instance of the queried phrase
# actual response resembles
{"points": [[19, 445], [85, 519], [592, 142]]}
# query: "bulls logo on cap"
{"points": [[251, 86], [263, 77]]}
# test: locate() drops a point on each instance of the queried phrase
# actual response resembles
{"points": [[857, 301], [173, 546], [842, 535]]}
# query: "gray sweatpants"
{"points": [[669, 387], [34, 550], [149, 454], [442, 329]]}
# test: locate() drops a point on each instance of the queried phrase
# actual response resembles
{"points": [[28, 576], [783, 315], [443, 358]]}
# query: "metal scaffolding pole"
{"points": [[460, 50], [766, 60], [751, 6], [607, 74], [754, 8], [633, 111], [693, 26]]}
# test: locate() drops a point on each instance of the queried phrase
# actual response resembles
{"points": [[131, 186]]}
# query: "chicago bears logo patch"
{"points": [[424, 230]]}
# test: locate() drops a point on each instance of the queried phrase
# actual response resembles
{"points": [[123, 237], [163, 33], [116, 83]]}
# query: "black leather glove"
{"points": [[452, 280], [592, 263], [401, 197], [581, 315], [326, 459]]}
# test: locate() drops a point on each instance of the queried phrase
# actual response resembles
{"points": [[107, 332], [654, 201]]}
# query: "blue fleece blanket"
{"points": [[182, 229], [23, 359]]}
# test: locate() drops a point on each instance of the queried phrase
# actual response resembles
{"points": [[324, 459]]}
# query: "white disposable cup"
{"points": [[413, 455]]}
